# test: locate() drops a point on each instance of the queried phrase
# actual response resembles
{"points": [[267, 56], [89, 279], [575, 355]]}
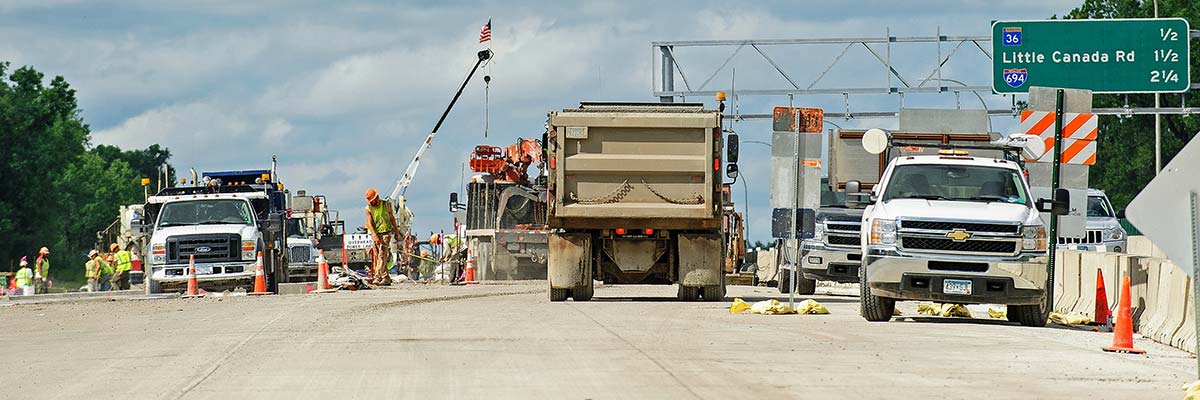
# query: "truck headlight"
{"points": [[1114, 233], [819, 231], [158, 254], [1033, 238], [248, 250], [883, 231]]}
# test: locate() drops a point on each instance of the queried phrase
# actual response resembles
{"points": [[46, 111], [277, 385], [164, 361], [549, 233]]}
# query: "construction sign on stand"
{"points": [[1080, 131]]}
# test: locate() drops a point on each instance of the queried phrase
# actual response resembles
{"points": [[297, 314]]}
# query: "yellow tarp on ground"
{"points": [[997, 314], [944, 310], [1191, 391], [773, 307], [1069, 319]]}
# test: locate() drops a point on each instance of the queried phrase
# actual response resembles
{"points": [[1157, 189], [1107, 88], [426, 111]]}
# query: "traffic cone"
{"points": [[1103, 314], [322, 275], [1123, 331], [260, 279], [193, 288], [469, 273]]}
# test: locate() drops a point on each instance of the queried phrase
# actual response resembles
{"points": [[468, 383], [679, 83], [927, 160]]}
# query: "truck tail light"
{"points": [[648, 231], [716, 164], [619, 231]]}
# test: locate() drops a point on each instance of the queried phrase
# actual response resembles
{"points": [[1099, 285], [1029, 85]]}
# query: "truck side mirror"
{"points": [[273, 224], [731, 171], [1060, 205], [853, 192], [731, 148], [454, 205]]}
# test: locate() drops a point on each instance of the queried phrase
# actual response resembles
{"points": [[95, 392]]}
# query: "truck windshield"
{"points": [[1098, 207], [206, 212], [956, 183], [296, 228]]}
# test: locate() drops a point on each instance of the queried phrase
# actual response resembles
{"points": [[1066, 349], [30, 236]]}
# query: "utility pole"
{"points": [[795, 233], [1052, 238]]}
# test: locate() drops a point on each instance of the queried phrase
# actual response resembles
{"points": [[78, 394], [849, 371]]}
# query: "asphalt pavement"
{"points": [[508, 341]]}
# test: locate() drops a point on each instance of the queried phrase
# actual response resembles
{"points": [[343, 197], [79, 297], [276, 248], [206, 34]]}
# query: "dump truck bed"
{"points": [[651, 164]]}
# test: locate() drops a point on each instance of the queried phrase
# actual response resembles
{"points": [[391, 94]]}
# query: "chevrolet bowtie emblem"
{"points": [[958, 235]]}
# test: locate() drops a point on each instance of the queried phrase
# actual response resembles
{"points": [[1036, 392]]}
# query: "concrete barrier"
{"points": [[1140, 246], [1185, 336], [1177, 290], [1067, 294], [1156, 313], [1089, 262], [1139, 286]]}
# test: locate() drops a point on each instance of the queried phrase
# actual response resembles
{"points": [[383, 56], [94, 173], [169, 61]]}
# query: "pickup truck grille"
{"points": [[843, 240], [971, 246], [300, 254], [967, 226], [842, 227], [210, 248], [1092, 237]]}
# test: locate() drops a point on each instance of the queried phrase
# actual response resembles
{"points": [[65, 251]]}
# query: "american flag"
{"points": [[485, 33]]}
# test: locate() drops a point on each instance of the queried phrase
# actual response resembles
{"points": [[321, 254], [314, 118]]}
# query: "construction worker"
{"points": [[427, 266], [122, 264], [91, 270], [25, 278], [41, 271], [381, 224], [106, 270]]}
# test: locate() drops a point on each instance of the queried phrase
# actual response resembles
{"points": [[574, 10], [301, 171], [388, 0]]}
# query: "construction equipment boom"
{"points": [[406, 179]]}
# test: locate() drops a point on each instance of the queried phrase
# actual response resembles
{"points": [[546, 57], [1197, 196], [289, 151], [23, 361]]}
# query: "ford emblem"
{"points": [[203, 249]]}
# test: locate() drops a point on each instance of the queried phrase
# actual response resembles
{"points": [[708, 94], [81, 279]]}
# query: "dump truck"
{"points": [[635, 198]]}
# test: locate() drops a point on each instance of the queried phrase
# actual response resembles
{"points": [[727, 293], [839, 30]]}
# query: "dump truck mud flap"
{"points": [[570, 260], [700, 259]]}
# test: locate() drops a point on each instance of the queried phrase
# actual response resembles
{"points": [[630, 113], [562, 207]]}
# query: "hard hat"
{"points": [[24, 263], [44, 251], [424, 253], [372, 194], [93, 253], [113, 247]]}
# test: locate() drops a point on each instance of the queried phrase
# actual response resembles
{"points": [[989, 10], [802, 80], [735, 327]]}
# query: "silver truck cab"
{"points": [[1104, 232]]}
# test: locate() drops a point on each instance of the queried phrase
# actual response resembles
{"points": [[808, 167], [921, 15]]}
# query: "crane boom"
{"points": [[406, 179]]}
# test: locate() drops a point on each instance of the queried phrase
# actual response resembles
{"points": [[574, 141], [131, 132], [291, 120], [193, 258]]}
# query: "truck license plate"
{"points": [[204, 269], [955, 286]]}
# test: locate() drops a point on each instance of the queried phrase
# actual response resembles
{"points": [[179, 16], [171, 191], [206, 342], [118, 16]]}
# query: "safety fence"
{"points": [[1160, 293]]}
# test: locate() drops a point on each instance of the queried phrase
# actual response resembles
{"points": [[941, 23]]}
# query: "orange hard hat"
{"points": [[372, 194], [44, 251], [113, 247]]}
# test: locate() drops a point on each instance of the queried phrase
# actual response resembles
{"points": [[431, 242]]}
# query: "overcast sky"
{"points": [[344, 92]]}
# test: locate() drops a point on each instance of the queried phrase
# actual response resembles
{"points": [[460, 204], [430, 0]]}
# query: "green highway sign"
{"points": [[1101, 55]]}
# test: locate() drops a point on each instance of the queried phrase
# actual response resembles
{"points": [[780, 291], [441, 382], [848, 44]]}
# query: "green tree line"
{"points": [[56, 189]]}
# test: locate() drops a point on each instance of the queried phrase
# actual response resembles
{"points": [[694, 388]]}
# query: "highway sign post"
{"points": [[1158, 211], [1105, 56]]}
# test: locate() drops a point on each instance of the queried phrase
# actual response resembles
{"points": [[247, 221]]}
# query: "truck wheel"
{"points": [[713, 293], [152, 287], [785, 282], [874, 308], [583, 293], [1034, 315], [805, 286], [558, 294], [687, 293]]}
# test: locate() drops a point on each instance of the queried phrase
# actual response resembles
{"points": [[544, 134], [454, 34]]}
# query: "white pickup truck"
{"points": [[954, 228], [220, 230]]}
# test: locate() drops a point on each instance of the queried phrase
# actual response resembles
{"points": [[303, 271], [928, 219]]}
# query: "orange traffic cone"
{"points": [[469, 273], [260, 279], [1123, 331], [323, 275], [1103, 314], [193, 288]]}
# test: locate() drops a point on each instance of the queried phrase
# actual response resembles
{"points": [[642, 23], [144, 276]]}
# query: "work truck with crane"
{"points": [[505, 218], [634, 195]]}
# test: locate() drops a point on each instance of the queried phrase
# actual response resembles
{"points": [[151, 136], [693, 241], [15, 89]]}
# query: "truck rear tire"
{"points": [[874, 308], [152, 287], [687, 293], [784, 283], [1033, 315], [713, 293], [558, 294], [583, 293], [805, 286]]}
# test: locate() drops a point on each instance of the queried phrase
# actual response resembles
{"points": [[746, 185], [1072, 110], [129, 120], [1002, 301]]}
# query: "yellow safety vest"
{"points": [[124, 261], [380, 219], [24, 277]]}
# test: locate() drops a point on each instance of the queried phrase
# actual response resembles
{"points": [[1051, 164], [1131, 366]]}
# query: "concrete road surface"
{"points": [[508, 341]]}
